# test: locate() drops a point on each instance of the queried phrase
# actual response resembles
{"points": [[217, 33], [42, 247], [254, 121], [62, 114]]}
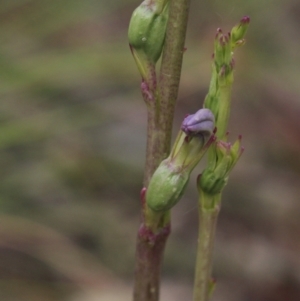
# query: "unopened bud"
{"points": [[215, 176], [222, 51], [146, 32], [238, 32], [210, 184], [166, 186], [200, 123]]}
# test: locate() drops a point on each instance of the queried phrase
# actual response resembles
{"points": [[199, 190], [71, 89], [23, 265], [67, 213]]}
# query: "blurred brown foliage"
{"points": [[72, 142]]}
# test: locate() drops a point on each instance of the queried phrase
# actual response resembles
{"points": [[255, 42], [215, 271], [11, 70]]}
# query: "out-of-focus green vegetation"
{"points": [[72, 142]]}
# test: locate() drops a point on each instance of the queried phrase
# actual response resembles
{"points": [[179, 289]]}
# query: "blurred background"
{"points": [[72, 147]]}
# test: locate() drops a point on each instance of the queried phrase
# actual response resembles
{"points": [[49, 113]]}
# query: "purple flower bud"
{"points": [[201, 123]]}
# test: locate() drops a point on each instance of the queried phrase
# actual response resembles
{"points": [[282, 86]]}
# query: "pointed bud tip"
{"points": [[245, 20], [238, 32], [219, 33]]}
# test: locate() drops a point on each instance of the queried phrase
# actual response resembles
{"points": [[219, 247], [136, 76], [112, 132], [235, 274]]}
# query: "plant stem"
{"points": [[155, 227], [150, 249], [208, 215], [171, 66]]}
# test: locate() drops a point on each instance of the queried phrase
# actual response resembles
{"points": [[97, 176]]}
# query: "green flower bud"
{"points": [[215, 176], [166, 186], [238, 32], [146, 33], [222, 51], [171, 177], [211, 184]]}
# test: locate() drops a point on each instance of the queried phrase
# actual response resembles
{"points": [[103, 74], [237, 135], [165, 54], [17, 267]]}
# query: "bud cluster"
{"points": [[218, 98], [223, 159]]}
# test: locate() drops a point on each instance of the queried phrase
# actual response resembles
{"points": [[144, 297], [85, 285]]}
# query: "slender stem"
{"points": [[155, 229], [207, 226], [155, 144], [150, 249], [171, 66], [224, 109], [151, 241]]}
